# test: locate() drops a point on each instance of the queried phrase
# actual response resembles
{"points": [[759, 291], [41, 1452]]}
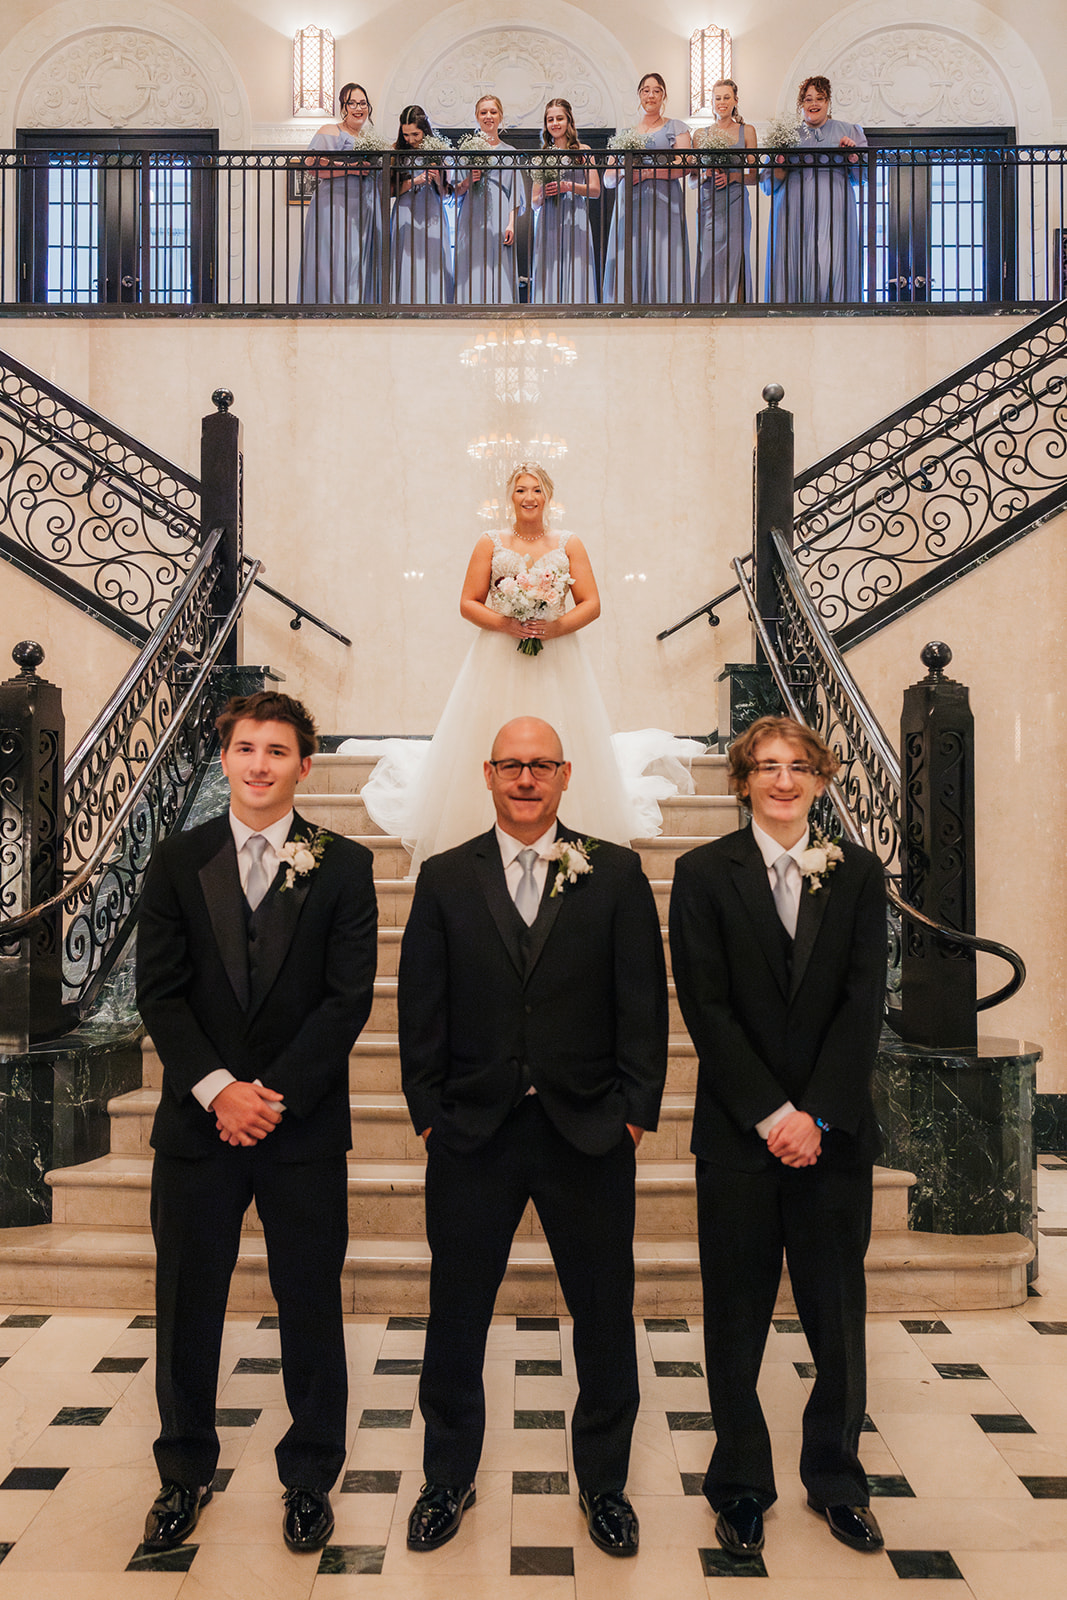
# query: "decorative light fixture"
{"points": [[710, 58], [313, 73]]}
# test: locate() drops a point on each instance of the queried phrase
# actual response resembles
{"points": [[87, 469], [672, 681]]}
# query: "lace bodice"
{"points": [[509, 563]]}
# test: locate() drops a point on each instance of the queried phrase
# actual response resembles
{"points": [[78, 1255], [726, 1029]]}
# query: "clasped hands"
{"points": [[535, 628], [796, 1141], [246, 1112]]}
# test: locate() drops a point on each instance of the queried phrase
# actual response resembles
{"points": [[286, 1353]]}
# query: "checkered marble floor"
{"points": [[966, 1446]]}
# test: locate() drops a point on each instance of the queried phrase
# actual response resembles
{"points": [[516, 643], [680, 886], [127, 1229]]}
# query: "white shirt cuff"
{"points": [[762, 1128], [206, 1090]]}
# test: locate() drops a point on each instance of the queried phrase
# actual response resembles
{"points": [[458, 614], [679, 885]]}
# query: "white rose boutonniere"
{"points": [[818, 859], [574, 862], [302, 855]]}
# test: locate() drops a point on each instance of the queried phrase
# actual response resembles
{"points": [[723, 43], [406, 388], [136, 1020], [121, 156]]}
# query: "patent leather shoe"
{"points": [[739, 1526], [436, 1515], [174, 1514], [612, 1522], [308, 1519], [853, 1525]]}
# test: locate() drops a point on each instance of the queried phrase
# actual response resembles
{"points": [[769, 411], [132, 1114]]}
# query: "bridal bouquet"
{"points": [[528, 595], [476, 150]]}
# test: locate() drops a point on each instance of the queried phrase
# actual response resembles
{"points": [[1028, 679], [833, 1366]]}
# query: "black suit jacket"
{"points": [[285, 1009], [772, 1025], [580, 999]]}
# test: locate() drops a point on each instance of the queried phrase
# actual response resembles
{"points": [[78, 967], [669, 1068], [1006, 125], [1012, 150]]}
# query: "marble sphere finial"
{"points": [[223, 399], [935, 657], [773, 393], [28, 656]]}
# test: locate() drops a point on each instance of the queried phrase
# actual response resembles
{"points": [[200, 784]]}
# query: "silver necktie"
{"points": [[783, 900], [258, 877], [526, 896]]}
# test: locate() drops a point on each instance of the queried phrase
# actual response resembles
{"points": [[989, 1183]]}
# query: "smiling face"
{"points": [[355, 110], [556, 124], [489, 116], [525, 804], [528, 498], [263, 764], [724, 101], [780, 801], [815, 107]]}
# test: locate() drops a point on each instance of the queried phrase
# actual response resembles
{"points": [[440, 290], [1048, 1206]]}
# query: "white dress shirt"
{"points": [[771, 850], [276, 835]]}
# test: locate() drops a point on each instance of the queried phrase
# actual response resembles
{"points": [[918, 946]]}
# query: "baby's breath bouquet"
{"points": [[548, 166], [628, 139], [717, 149], [779, 134], [369, 143], [432, 147], [475, 150]]}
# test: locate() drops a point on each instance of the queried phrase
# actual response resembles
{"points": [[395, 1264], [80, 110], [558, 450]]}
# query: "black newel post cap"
{"points": [[223, 399], [935, 657], [28, 656], [773, 393]]}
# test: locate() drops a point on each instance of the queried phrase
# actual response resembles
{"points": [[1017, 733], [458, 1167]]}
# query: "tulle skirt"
{"points": [[433, 795]]}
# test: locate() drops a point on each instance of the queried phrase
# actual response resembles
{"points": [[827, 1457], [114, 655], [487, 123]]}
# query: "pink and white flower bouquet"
{"points": [[527, 595]]}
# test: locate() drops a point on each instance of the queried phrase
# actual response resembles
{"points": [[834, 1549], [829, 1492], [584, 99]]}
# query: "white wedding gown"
{"points": [[433, 795]]}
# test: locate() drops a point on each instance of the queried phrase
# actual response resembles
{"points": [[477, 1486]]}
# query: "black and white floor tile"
{"points": [[965, 1445]]}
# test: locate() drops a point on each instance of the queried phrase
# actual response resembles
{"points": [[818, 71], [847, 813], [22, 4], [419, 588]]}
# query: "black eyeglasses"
{"points": [[355, 105], [541, 768]]}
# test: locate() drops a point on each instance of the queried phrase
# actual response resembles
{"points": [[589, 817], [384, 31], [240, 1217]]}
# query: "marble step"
{"points": [[386, 1196], [683, 815], [374, 1065], [335, 774], [913, 1274]]}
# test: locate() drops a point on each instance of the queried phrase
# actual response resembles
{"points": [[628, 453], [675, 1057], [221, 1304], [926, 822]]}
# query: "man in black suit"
{"points": [[256, 950], [533, 1047], [778, 945]]}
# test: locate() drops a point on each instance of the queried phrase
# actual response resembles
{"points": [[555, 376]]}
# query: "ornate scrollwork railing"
{"points": [[818, 689], [935, 489], [84, 507], [133, 776]]}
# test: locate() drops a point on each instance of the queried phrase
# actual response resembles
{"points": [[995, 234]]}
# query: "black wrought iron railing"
{"points": [[133, 777], [95, 515], [818, 689], [382, 232]]}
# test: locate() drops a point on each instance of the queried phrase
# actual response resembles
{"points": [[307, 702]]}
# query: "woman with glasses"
{"points": [[813, 241], [435, 798], [340, 263], [654, 210]]}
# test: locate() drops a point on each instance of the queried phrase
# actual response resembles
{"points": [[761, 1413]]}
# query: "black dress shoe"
{"points": [[436, 1515], [175, 1513], [308, 1519], [612, 1522], [853, 1525], [739, 1526]]}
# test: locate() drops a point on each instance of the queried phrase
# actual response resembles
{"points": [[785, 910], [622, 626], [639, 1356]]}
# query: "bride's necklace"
{"points": [[529, 538]]}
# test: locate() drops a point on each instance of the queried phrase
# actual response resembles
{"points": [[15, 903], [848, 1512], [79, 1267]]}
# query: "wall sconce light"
{"points": [[710, 58], [313, 73]]}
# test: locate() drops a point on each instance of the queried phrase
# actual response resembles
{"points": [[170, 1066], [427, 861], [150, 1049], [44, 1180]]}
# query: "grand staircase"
{"points": [[98, 1249]]}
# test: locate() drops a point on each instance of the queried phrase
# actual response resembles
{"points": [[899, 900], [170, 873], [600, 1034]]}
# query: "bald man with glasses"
{"points": [[533, 1046]]}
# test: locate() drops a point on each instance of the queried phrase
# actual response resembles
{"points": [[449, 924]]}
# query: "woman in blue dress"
{"points": [[813, 241], [563, 268], [660, 254], [485, 225], [340, 263], [422, 269], [724, 271]]}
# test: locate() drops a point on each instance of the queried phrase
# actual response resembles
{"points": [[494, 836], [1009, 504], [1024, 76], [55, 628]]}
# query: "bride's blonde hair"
{"points": [[532, 469]]}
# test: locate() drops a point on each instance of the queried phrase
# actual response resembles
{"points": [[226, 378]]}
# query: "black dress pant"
{"points": [[586, 1206], [821, 1218], [197, 1210]]}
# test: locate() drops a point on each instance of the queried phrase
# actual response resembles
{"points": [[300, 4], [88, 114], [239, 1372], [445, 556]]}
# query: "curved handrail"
{"points": [[876, 738], [17, 926]]}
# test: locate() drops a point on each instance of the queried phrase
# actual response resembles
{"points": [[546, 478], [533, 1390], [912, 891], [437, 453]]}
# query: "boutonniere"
{"points": [[302, 855], [820, 857], [574, 862]]}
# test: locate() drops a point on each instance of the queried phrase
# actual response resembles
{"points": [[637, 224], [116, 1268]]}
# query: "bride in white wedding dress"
{"points": [[434, 796]]}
